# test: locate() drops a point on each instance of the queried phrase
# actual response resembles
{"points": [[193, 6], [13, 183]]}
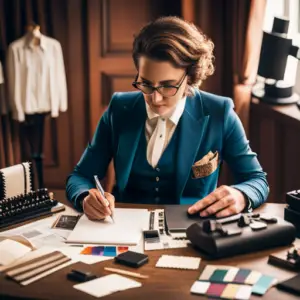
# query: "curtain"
{"points": [[246, 70], [14, 16]]}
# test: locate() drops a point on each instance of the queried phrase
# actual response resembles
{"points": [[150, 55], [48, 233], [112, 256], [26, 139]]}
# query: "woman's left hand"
{"points": [[222, 202]]}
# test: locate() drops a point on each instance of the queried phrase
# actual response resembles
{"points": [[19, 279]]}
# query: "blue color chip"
{"points": [[262, 285], [110, 251]]}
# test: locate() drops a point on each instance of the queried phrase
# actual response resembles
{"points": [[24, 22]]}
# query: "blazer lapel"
{"points": [[192, 127], [128, 141]]}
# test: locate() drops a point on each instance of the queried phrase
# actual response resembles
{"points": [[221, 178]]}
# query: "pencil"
{"points": [[133, 274], [101, 190]]}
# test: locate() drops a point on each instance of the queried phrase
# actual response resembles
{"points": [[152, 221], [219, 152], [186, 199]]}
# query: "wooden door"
{"points": [[66, 137], [111, 26]]}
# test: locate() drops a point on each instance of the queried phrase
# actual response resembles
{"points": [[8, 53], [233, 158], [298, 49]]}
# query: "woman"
{"points": [[168, 139]]}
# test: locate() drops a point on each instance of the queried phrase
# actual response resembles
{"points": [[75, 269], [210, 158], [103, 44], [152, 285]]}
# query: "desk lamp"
{"points": [[275, 49]]}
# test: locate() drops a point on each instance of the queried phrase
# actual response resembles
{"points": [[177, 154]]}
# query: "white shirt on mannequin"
{"points": [[36, 77]]}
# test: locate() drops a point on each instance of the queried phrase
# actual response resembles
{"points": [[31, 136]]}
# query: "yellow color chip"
{"points": [[230, 291]]}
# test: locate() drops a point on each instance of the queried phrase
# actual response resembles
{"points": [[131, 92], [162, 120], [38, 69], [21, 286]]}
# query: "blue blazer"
{"points": [[208, 123]]}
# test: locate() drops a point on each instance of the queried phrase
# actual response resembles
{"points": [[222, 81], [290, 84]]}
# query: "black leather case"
{"points": [[132, 259], [291, 285], [293, 200], [293, 216]]}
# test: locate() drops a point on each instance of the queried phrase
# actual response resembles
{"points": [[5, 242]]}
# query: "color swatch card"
{"points": [[178, 262], [263, 284], [219, 274], [222, 290], [110, 251], [107, 285]]}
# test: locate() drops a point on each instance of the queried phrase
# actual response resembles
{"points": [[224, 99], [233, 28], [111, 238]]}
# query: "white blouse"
{"points": [[36, 77]]}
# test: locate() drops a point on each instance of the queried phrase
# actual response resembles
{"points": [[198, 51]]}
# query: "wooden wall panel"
{"points": [[274, 135], [111, 26], [66, 136], [57, 139], [120, 22], [112, 83], [291, 167]]}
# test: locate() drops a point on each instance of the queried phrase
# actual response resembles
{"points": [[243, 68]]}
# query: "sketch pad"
{"points": [[126, 230]]}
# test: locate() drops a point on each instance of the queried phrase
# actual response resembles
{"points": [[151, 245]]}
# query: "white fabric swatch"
{"points": [[200, 287], [178, 262], [107, 285]]}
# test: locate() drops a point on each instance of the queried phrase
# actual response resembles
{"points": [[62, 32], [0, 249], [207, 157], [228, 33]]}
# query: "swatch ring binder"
{"points": [[18, 201]]}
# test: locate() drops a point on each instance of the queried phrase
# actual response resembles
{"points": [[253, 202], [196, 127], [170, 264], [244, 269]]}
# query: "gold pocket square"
{"points": [[206, 165]]}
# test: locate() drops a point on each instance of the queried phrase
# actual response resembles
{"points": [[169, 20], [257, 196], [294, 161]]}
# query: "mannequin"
{"points": [[37, 88]]}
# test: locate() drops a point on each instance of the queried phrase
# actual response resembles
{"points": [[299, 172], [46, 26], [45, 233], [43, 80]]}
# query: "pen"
{"points": [[100, 189], [133, 274]]}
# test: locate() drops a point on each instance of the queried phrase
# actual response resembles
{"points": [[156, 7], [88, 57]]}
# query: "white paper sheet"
{"points": [[126, 230], [39, 233], [107, 285]]}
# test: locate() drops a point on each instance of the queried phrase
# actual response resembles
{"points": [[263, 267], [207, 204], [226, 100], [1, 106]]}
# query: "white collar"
{"points": [[174, 116], [28, 41]]}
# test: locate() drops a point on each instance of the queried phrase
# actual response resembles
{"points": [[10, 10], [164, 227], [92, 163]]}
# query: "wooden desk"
{"points": [[162, 284]]}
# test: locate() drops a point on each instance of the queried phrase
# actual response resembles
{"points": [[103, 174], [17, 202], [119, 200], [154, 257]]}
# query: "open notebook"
{"points": [[126, 230]]}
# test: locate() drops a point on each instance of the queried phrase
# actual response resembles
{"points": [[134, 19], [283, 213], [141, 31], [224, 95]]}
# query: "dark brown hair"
{"points": [[178, 41]]}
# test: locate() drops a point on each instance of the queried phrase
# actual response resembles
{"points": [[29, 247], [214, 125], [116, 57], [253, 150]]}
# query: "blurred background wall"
{"points": [[96, 38]]}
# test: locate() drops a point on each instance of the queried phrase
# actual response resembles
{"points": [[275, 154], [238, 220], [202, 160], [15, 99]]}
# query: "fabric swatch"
{"points": [[221, 290], [178, 262]]}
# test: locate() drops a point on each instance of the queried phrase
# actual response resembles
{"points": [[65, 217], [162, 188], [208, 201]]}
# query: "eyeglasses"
{"points": [[165, 90]]}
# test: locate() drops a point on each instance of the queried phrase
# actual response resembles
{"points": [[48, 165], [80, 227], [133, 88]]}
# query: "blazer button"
{"points": [[156, 189], [157, 169], [157, 178]]}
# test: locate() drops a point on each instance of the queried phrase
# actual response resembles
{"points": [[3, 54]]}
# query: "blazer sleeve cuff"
{"points": [[78, 200], [253, 200]]}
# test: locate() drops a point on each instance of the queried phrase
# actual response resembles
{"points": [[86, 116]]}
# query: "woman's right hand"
{"points": [[95, 206]]}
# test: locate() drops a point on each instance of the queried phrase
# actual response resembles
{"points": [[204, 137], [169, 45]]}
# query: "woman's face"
{"points": [[157, 73]]}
